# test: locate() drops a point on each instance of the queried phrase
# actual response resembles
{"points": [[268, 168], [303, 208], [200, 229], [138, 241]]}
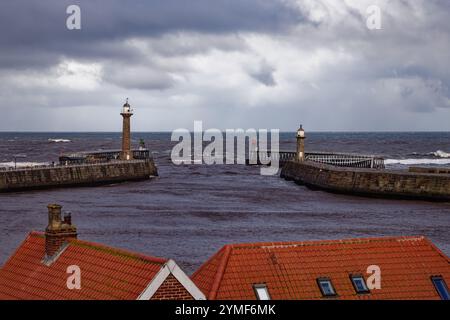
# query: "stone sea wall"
{"points": [[73, 175], [371, 182]]}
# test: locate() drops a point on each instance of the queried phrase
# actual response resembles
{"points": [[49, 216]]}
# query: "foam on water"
{"points": [[11, 164], [59, 140], [417, 161], [441, 154]]}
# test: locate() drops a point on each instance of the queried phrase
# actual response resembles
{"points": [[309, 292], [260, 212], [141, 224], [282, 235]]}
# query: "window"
{"points": [[441, 287], [326, 287], [359, 284], [261, 291]]}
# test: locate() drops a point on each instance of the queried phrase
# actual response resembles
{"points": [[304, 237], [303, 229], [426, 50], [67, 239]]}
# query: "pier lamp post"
{"points": [[16, 156], [301, 144], [126, 113]]}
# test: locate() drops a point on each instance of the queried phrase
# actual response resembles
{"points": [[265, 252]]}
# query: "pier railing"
{"points": [[347, 160], [57, 165], [101, 156], [331, 158]]}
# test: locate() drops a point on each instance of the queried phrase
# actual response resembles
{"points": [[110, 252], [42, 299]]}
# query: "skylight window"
{"points": [[261, 291], [441, 287], [326, 287], [359, 284]]}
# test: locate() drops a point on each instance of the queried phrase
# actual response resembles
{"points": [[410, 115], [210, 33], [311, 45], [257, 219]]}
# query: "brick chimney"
{"points": [[57, 231]]}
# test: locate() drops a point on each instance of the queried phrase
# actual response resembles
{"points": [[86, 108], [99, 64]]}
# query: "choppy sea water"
{"points": [[190, 211]]}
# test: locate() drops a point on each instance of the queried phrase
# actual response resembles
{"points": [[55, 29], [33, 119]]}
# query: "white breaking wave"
{"points": [[417, 161], [59, 140], [22, 164], [441, 154]]}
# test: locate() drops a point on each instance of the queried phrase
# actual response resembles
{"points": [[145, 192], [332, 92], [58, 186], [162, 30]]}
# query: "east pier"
{"points": [[363, 175]]}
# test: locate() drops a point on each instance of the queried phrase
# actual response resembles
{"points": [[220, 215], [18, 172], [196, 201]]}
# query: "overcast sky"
{"points": [[231, 63]]}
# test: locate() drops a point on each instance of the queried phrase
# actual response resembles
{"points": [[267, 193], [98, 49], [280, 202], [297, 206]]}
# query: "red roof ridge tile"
{"points": [[289, 244], [117, 251], [31, 234], [108, 249], [36, 233], [220, 272], [441, 253]]}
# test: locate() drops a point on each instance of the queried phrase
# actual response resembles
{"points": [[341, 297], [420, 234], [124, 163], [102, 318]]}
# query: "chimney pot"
{"points": [[54, 216], [68, 218]]}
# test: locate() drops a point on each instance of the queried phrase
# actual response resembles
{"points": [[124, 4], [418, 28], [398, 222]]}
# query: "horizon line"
{"points": [[281, 131]]}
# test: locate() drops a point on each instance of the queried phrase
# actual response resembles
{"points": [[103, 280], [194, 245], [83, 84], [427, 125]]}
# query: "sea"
{"points": [[189, 212]]}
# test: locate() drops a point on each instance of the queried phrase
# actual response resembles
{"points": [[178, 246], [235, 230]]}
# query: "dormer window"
{"points": [[326, 287], [261, 291]]}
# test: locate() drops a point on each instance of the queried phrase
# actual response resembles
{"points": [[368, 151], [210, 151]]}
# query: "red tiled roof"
{"points": [[290, 269], [106, 273]]}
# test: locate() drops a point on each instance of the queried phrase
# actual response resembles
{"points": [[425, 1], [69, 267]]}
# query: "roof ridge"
{"points": [[204, 264], [220, 271], [107, 248], [30, 234], [439, 251], [325, 242], [36, 233], [117, 251]]}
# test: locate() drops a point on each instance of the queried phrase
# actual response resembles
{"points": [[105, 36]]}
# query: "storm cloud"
{"points": [[247, 63]]}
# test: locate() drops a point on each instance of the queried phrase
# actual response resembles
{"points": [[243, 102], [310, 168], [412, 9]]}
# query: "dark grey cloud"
{"points": [[264, 74], [248, 63], [29, 28], [139, 78]]}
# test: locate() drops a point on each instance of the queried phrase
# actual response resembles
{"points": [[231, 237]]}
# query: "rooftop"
{"points": [[291, 270], [107, 273]]}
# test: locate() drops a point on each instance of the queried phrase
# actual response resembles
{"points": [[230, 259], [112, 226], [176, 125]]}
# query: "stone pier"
{"points": [[76, 175], [415, 184]]}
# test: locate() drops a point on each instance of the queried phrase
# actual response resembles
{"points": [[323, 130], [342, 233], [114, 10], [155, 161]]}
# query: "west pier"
{"points": [[364, 175], [87, 168]]}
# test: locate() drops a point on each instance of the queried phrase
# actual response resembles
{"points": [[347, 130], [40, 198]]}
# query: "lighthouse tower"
{"points": [[126, 113], [301, 144]]}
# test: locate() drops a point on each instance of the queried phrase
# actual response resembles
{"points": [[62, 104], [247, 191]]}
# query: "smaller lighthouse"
{"points": [[301, 144], [126, 113]]}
